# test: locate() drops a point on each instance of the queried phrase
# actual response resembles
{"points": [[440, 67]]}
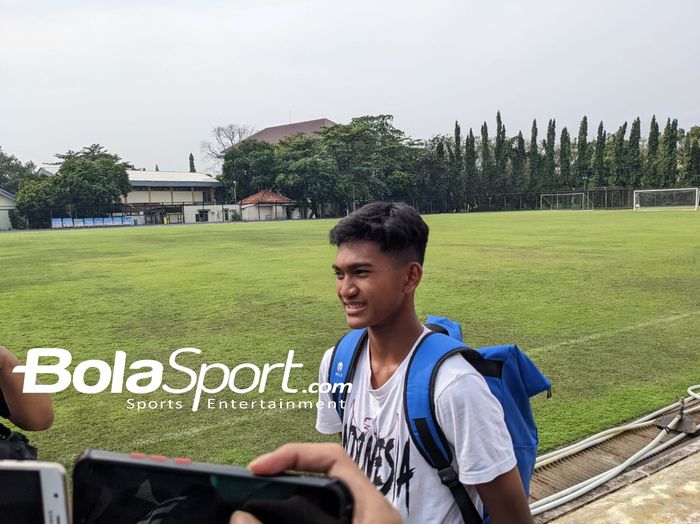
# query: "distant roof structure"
{"points": [[266, 197], [139, 178], [170, 178], [7, 194], [272, 135]]}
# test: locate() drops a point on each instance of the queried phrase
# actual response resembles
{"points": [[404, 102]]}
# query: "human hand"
{"points": [[370, 506]]}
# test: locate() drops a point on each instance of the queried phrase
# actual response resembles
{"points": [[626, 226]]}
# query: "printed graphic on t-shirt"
{"points": [[385, 461]]}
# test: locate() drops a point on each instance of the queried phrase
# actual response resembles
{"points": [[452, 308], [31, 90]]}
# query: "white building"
{"points": [[7, 203]]}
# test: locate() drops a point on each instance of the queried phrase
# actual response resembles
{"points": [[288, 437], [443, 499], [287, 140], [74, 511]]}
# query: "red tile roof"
{"points": [[266, 197], [274, 134]]}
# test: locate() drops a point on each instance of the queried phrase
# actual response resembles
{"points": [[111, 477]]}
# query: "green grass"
{"points": [[606, 303]]}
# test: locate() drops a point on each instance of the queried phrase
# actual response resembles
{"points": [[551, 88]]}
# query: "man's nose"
{"points": [[347, 288]]}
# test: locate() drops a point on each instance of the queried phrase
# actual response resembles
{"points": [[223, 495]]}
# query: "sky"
{"points": [[150, 79]]}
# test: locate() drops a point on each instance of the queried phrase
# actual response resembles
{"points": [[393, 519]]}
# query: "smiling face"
{"points": [[374, 288]]}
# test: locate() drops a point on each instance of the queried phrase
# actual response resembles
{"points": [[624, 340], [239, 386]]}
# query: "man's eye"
{"points": [[338, 275], [361, 272]]}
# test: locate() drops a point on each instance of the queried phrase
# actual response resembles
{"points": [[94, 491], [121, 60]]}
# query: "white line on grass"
{"points": [[627, 329]]}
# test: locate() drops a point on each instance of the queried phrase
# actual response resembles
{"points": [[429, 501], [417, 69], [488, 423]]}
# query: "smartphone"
{"points": [[114, 488], [32, 493]]}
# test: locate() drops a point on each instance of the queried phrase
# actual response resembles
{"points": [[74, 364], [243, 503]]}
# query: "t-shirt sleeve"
{"points": [[4, 408], [472, 420], [327, 419]]}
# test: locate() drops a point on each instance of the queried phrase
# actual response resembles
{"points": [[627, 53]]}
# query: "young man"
{"points": [[378, 266]]}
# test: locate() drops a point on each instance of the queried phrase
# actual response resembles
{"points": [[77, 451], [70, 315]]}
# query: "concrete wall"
{"points": [[216, 212], [255, 213], [159, 196], [5, 205]]}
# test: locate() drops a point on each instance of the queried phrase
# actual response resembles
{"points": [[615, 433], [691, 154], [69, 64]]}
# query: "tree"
{"points": [[690, 175], [532, 171], [634, 160], [224, 138], [518, 164], [650, 178], [581, 172], [549, 172], [36, 199], [13, 173], [192, 168], [500, 153], [617, 175], [668, 158], [248, 168], [456, 185], [470, 169], [599, 172], [565, 159], [488, 166], [307, 174], [157, 169]]}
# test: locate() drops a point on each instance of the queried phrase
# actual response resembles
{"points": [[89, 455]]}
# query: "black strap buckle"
{"points": [[448, 476]]}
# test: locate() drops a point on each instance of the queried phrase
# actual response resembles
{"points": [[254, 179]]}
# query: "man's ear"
{"points": [[414, 274]]}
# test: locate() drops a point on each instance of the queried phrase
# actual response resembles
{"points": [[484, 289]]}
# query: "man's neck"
{"points": [[389, 344]]}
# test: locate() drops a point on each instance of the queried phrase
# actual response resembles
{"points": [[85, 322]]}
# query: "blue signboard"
{"points": [[78, 222], [88, 222], [56, 223], [128, 221], [67, 222], [98, 222], [107, 221], [117, 221]]}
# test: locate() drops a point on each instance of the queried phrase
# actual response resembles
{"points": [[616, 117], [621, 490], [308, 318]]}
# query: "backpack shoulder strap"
{"points": [[342, 366], [419, 409]]}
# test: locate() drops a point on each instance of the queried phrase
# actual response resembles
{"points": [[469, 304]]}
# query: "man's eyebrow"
{"points": [[355, 266]]}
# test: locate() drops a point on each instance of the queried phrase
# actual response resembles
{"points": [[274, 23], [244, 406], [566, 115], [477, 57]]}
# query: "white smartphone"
{"points": [[33, 492]]}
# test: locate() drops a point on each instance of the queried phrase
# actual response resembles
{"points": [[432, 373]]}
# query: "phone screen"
{"points": [[112, 493], [20, 497]]}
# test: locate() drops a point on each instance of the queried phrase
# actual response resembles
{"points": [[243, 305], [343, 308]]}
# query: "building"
{"points": [[7, 203], [266, 205], [272, 135], [171, 197]]}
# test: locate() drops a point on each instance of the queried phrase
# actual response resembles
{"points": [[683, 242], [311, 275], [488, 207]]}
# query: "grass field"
{"points": [[606, 303]]}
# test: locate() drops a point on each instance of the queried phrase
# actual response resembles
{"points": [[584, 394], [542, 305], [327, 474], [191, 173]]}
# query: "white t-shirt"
{"points": [[375, 435]]}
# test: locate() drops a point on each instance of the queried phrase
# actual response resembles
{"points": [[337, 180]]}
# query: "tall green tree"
{"points": [[470, 169], [532, 171], [617, 175], [634, 159], [599, 172], [565, 159], [549, 177], [650, 178], [518, 163], [690, 174], [668, 158], [581, 170], [192, 168], [500, 153], [488, 166]]}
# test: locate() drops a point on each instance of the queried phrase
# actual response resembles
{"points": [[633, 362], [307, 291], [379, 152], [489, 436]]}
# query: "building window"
{"points": [[202, 216]]}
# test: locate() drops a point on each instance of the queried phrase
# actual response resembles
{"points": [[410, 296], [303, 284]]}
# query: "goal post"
{"points": [[672, 199], [564, 201]]}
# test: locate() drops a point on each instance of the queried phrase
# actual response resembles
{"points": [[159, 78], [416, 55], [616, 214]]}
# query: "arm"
{"points": [[505, 500], [29, 411]]}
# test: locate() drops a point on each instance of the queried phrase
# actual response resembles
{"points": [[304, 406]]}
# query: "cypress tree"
{"points": [[651, 168], [487, 162], [157, 168], [618, 160], [532, 171], [500, 155], [668, 159], [634, 163], [599, 175], [549, 161], [192, 169], [470, 170], [581, 169], [565, 179], [518, 162]]}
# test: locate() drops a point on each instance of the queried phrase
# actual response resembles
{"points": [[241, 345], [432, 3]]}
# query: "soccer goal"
{"points": [[559, 201], [685, 198]]}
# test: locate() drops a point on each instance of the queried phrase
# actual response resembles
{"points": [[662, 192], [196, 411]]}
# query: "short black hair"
{"points": [[395, 226]]}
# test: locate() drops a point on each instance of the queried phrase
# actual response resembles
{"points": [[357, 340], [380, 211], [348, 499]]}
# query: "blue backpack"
{"points": [[510, 374]]}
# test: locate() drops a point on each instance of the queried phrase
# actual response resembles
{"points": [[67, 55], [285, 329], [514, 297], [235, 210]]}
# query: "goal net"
{"points": [[557, 201], [685, 198]]}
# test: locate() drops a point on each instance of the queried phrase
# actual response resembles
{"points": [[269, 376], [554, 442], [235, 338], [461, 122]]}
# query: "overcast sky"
{"points": [[149, 79]]}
